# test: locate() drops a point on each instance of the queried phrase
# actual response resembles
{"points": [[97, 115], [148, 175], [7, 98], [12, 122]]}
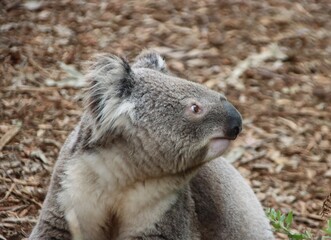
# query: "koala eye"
{"points": [[195, 108]]}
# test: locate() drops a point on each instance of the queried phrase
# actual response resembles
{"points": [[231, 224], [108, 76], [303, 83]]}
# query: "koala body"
{"points": [[139, 164]]}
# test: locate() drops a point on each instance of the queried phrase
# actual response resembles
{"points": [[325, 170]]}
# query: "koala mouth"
{"points": [[217, 146]]}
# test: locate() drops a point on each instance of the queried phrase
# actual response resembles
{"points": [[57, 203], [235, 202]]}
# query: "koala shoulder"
{"points": [[227, 205]]}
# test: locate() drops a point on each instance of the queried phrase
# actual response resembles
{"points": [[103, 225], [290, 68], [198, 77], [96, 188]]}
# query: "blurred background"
{"points": [[272, 59]]}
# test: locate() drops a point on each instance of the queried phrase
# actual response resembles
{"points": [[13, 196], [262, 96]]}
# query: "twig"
{"points": [[15, 220], [53, 142], [254, 60], [35, 64], [326, 208], [27, 198], [14, 208], [2, 237], [8, 193], [18, 181], [30, 89], [255, 157], [40, 155], [9, 135]]}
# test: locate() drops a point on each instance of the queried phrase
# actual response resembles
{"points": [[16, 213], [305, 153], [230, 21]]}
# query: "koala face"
{"points": [[170, 124]]}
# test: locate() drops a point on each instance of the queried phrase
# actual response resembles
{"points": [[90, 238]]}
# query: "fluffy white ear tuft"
{"points": [[111, 84], [151, 59]]}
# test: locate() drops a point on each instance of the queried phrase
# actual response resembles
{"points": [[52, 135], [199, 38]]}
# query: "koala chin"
{"points": [[144, 162]]}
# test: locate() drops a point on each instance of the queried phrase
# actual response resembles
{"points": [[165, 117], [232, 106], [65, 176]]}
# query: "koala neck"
{"points": [[110, 184], [117, 171]]}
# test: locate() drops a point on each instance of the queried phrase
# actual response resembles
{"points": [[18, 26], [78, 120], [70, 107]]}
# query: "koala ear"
{"points": [[111, 84], [151, 59]]}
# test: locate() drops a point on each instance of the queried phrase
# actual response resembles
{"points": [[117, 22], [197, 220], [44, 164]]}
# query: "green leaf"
{"points": [[278, 214], [289, 219], [327, 230], [297, 236]]}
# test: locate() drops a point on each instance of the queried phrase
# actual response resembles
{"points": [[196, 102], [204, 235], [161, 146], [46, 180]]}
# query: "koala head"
{"points": [[166, 123]]}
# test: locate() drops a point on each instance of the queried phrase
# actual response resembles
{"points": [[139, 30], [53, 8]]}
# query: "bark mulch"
{"points": [[270, 58]]}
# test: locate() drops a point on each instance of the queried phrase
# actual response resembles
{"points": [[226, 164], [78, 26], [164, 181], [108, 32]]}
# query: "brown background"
{"points": [[285, 148]]}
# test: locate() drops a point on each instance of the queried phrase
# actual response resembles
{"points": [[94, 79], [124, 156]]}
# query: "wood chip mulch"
{"points": [[271, 58]]}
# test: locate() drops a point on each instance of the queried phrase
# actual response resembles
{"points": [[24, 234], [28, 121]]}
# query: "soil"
{"points": [[270, 58]]}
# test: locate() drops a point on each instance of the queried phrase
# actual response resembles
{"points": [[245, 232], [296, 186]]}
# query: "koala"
{"points": [[144, 162]]}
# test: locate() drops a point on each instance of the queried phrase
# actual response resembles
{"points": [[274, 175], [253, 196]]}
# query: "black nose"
{"points": [[233, 125]]}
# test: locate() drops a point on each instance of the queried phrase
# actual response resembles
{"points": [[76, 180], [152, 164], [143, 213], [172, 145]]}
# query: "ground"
{"points": [[270, 58]]}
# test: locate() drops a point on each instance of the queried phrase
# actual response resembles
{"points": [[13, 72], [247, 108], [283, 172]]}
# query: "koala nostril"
{"points": [[235, 131]]}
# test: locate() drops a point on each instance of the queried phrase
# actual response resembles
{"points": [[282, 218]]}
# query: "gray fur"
{"points": [[138, 165]]}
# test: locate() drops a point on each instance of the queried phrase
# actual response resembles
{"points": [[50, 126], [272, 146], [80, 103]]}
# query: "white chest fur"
{"points": [[95, 187]]}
